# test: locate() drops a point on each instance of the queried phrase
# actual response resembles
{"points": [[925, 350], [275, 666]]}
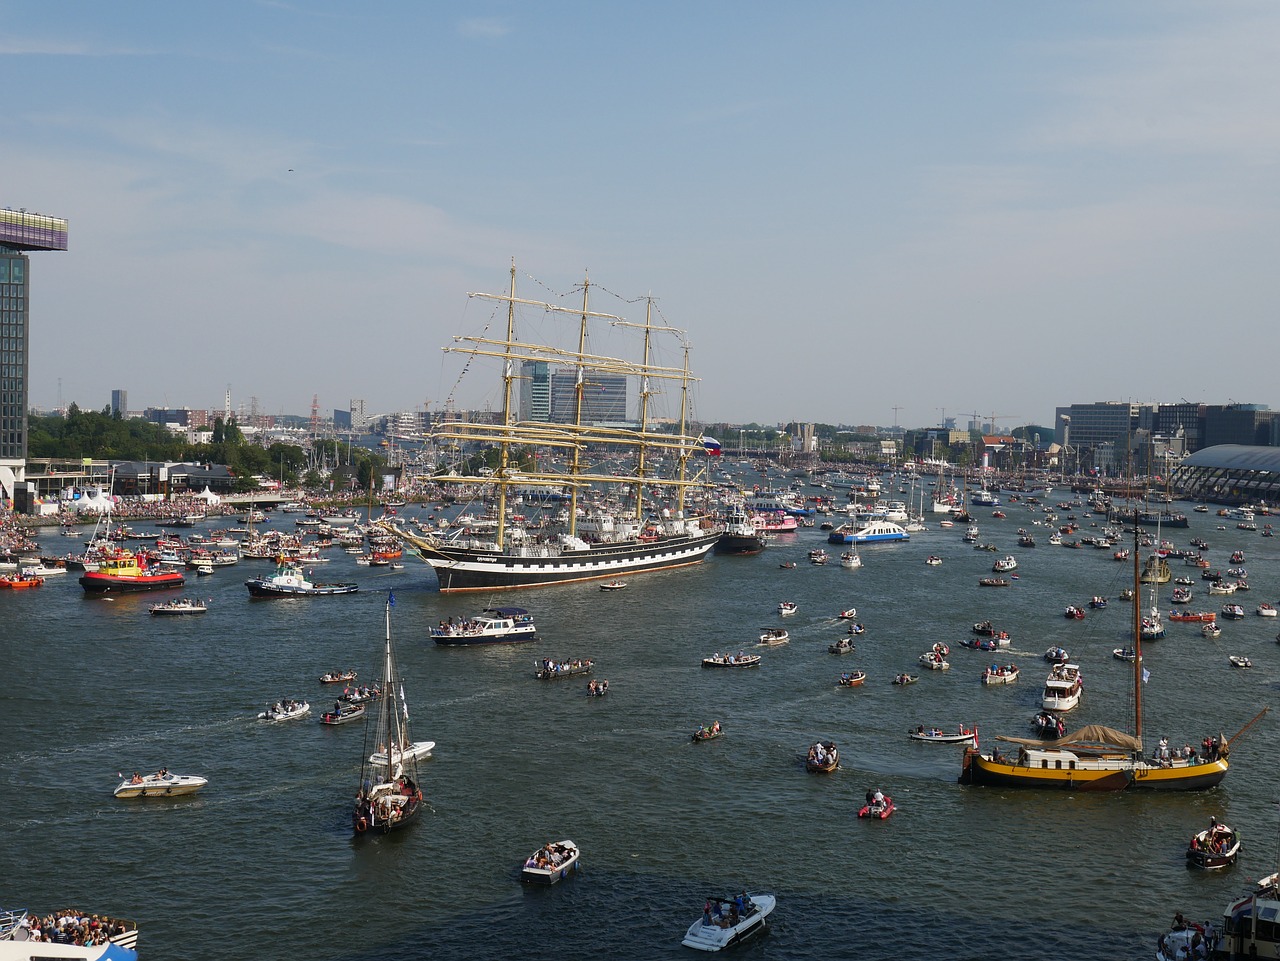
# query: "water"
{"points": [[264, 855]]}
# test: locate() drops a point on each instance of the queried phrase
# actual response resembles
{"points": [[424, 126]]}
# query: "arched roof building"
{"points": [[1230, 474]]}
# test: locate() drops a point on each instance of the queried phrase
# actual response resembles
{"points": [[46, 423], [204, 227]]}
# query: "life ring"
{"points": [[362, 824]]}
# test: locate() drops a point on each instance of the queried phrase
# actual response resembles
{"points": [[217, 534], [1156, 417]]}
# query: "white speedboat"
{"points": [[160, 784], [550, 863], [414, 750], [728, 921], [285, 711]]}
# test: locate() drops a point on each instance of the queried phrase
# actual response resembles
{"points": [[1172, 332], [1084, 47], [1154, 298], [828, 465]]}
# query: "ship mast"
{"points": [[1137, 635], [508, 375], [575, 462]]}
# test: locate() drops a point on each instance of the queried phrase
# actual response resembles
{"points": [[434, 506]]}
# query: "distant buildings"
{"points": [[550, 395], [120, 403]]}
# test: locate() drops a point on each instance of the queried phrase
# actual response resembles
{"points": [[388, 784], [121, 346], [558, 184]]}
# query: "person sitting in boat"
{"points": [[715, 728], [136, 779]]}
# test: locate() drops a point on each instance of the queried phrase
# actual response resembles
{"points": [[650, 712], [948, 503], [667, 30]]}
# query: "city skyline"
{"points": [[875, 213]]}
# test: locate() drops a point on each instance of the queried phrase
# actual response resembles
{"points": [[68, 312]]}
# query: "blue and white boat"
{"points": [[867, 532], [25, 936]]}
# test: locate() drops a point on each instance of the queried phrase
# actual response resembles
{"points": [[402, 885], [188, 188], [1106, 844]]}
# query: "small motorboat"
{"points": [[551, 863], [1233, 612], [613, 586], [1004, 564], [708, 732], [788, 565], [823, 757], [337, 677], [787, 608], [179, 606], [1073, 613], [732, 660], [1266, 610], [1213, 848], [1056, 655], [981, 644], [285, 710], [993, 582], [1239, 660], [597, 688], [855, 679], [1124, 654], [1049, 727], [344, 714], [936, 735], [772, 636], [933, 560], [933, 661], [161, 784], [728, 921], [549, 670], [1211, 630], [857, 628], [1000, 674], [842, 646], [902, 680], [1098, 603], [878, 807], [400, 754], [20, 581], [848, 615]]}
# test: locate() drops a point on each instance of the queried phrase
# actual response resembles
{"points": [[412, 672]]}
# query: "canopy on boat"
{"points": [[1091, 739]]}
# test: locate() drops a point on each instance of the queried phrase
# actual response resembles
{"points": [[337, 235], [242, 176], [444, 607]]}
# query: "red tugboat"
{"points": [[123, 572]]}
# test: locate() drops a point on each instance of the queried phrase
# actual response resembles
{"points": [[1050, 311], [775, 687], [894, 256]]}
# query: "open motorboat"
{"points": [[1004, 564], [552, 862], [855, 679], [787, 608], [1000, 674], [549, 670], [179, 606], [878, 807], [161, 784], [843, 645], [848, 615], [1124, 654], [732, 660], [934, 661], [285, 710], [337, 677], [343, 714], [708, 733], [936, 735], [902, 680], [613, 586], [1215, 847], [771, 636], [1239, 660], [1210, 629], [494, 625], [823, 757], [728, 921]]}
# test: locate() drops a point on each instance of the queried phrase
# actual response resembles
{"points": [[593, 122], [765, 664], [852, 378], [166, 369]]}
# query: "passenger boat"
{"points": [[823, 757], [708, 733], [285, 710], [1062, 688], [121, 571], [1097, 757], [1000, 674], [935, 735], [1188, 941], [854, 679], [593, 547], [1216, 847], [843, 645], [101, 938], [1005, 564], [178, 607], [288, 580], [161, 784], [878, 807], [343, 714], [552, 862], [493, 625], [993, 582], [868, 531], [549, 670], [732, 660], [20, 581], [388, 797], [729, 921]]}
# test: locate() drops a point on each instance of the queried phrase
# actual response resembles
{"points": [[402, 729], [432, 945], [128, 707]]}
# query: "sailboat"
{"points": [[389, 797], [605, 544], [1100, 758]]}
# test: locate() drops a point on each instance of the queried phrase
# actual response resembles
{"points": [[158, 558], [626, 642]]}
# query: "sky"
{"points": [[860, 212]]}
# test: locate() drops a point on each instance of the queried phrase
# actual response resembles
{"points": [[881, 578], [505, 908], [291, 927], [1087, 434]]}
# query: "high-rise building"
{"points": [[20, 231], [120, 403], [535, 391], [604, 397], [1248, 424]]}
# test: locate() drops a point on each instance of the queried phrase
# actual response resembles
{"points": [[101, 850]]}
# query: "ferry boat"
{"points": [[122, 572], [868, 532], [512, 556]]}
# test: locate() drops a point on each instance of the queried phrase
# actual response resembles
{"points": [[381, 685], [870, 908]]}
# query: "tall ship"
{"points": [[1098, 758], [626, 459]]}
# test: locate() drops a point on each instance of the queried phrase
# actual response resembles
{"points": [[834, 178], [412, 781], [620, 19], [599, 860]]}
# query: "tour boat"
{"points": [[494, 625], [103, 938]]}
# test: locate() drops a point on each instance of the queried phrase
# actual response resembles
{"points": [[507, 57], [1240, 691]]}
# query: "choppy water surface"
{"points": [[264, 856]]}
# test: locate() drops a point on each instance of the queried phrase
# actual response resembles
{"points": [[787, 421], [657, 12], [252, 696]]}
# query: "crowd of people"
{"points": [[550, 856], [550, 668], [72, 927]]}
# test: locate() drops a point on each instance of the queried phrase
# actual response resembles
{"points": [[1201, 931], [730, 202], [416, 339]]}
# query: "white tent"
{"points": [[95, 502], [209, 497]]}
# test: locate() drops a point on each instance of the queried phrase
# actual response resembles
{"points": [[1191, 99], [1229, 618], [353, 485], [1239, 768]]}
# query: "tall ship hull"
{"points": [[468, 569]]}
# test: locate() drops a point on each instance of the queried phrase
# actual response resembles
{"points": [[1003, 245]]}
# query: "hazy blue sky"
{"points": [[995, 207]]}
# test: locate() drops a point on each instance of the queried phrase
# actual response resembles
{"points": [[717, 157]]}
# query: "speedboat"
{"points": [[1239, 660], [848, 615], [160, 784], [550, 863], [287, 710], [728, 921]]}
